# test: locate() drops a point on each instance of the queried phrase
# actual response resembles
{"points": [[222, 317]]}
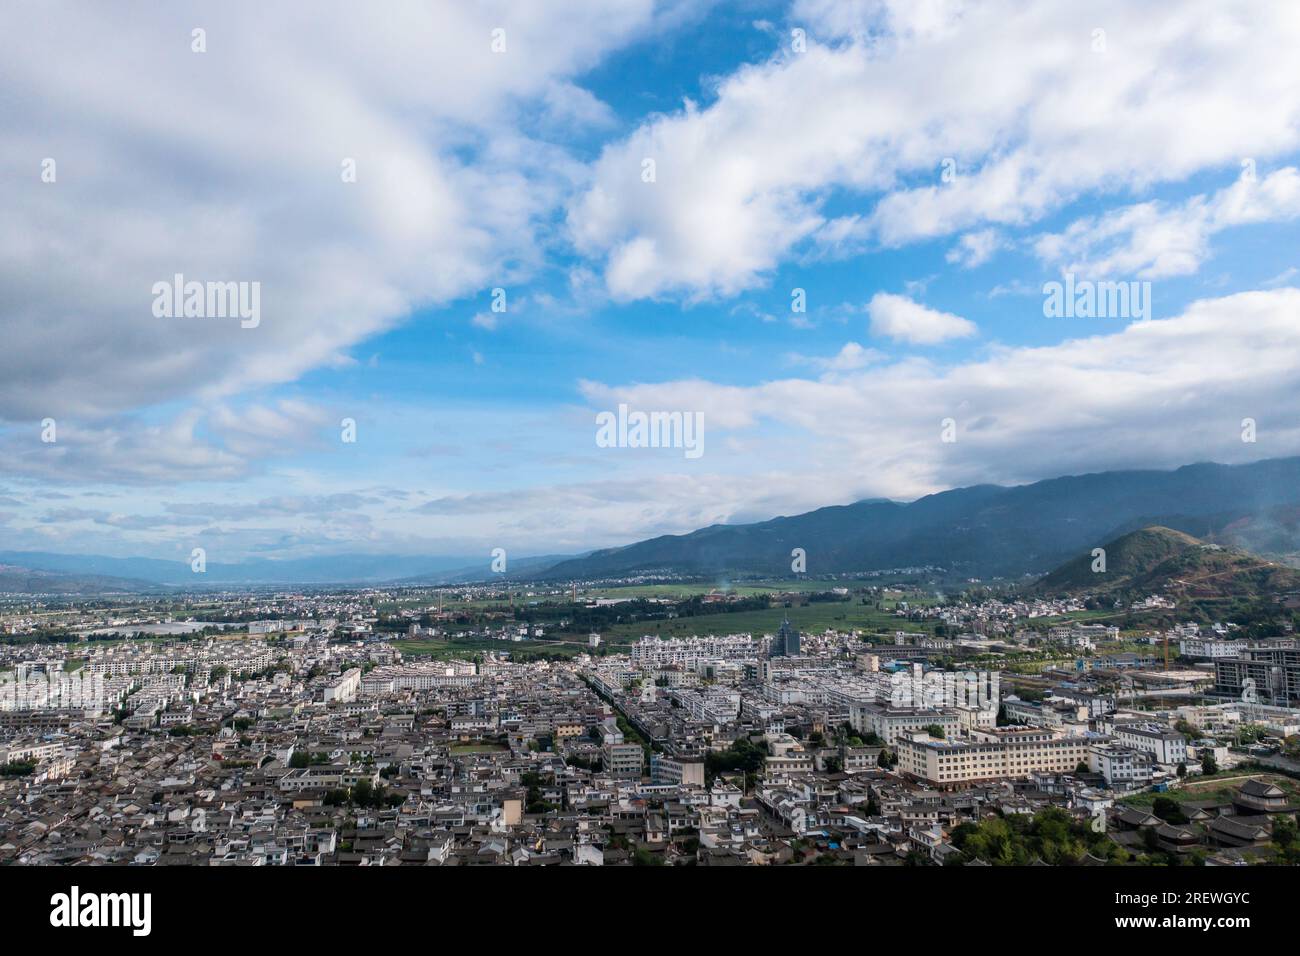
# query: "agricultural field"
{"points": [[683, 591], [809, 618], [440, 649]]}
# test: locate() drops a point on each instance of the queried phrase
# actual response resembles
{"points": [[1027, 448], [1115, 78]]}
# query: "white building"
{"points": [[1123, 767], [345, 688], [987, 755], [1208, 648], [888, 722], [1166, 746]]}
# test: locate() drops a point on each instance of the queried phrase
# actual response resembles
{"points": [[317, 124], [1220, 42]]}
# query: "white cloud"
{"points": [[975, 248], [123, 450], [1153, 240], [227, 165], [254, 431], [865, 19], [1282, 278], [1012, 92], [222, 444], [1157, 394], [899, 318], [850, 358]]}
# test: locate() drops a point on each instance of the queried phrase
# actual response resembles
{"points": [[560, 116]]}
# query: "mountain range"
{"points": [[20, 580], [324, 569], [988, 530], [982, 531], [1165, 562]]}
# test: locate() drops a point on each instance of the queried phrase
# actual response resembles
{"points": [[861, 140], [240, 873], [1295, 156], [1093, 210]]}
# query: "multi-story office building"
{"points": [[1165, 745], [343, 689], [665, 769], [623, 761], [786, 641], [986, 755], [1123, 767], [1211, 648], [1273, 673], [688, 652], [888, 722]]}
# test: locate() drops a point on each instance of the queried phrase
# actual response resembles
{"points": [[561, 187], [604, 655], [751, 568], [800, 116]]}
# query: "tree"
{"points": [[1286, 838], [1051, 835], [1209, 765], [1182, 770], [643, 857], [934, 730], [363, 793], [1170, 811], [741, 755]]}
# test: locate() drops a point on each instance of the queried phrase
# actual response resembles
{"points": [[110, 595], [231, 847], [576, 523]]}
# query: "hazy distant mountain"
{"points": [[987, 530], [516, 569], [982, 531], [1163, 561], [325, 569], [20, 580]]}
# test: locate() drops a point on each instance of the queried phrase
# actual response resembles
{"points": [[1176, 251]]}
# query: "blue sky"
{"points": [[796, 146]]}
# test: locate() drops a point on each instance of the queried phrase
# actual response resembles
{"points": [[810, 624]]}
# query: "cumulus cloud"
{"points": [[1156, 394], [899, 318], [228, 165], [1017, 96], [223, 444], [1153, 240], [975, 248], [123, 450], [848, 359]]}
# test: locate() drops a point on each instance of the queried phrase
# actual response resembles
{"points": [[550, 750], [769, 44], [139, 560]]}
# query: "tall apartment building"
{"points": [[623, 761], [1273, 671], [676, 771], [344, 689], [687, 652], [1211, 648], [786, 641]]}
